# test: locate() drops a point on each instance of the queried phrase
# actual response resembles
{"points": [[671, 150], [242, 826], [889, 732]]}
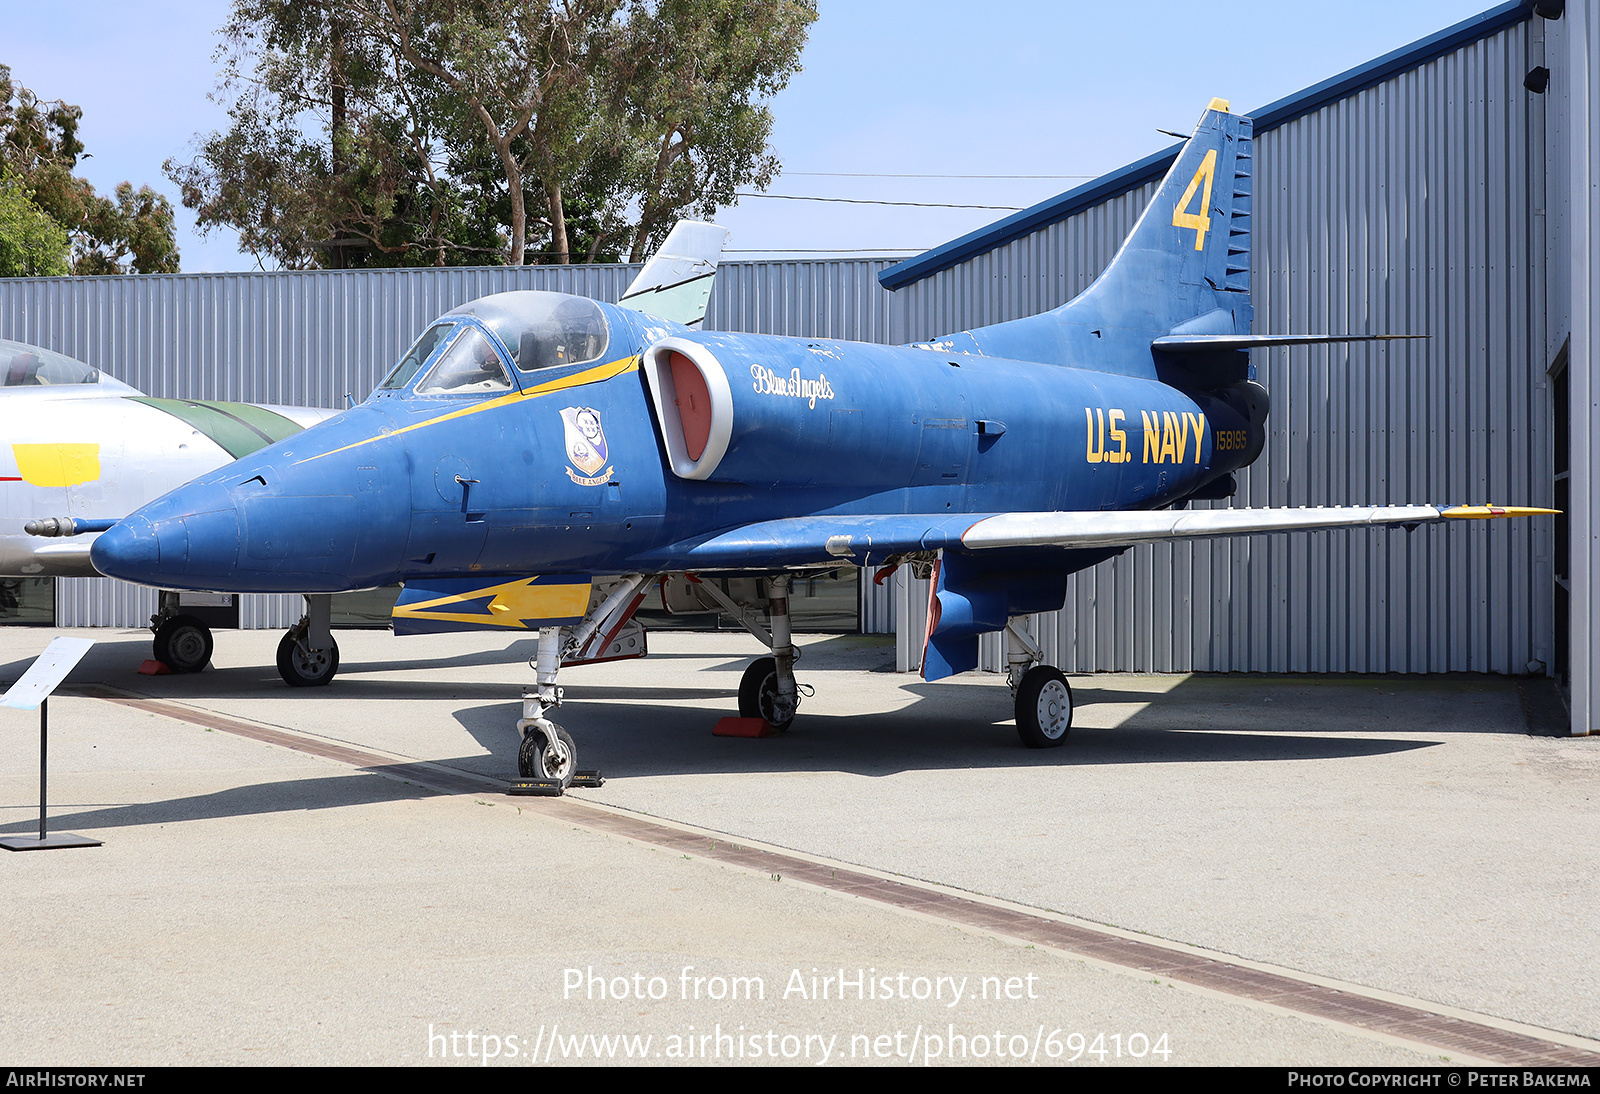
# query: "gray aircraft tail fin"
{"points": [[676, 283]]}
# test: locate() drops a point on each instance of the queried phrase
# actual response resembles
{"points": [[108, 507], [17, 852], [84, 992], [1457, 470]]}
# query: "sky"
{"points": [[889, 88]]}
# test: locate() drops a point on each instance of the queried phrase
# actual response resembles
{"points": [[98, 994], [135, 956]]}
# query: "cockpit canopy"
{"points": [[459, 358], [543, 329], [33, 366], [538, 329]]}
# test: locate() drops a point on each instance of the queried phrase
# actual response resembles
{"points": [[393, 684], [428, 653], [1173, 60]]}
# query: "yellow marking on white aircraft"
{"points": [[1488, 512], [513, 602], [577, 379], [57, 464]]}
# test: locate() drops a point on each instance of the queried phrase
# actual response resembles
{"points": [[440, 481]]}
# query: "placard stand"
{"points": [[33, 690]]}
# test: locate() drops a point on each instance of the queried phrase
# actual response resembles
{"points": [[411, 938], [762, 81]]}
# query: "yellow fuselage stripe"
{"points": [[577, 379]]}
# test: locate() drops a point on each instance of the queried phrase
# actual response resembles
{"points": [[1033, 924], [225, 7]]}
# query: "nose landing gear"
{"points": [[548, 753], [768, 689], [547, 759]]}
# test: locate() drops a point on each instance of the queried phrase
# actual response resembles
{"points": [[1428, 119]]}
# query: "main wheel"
{"points": [[183, 644], [541, 758], [306, 668], [1044, 707], [758, 693]]}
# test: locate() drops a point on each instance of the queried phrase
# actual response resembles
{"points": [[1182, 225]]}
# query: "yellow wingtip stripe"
{"points": [[1488, 512]]}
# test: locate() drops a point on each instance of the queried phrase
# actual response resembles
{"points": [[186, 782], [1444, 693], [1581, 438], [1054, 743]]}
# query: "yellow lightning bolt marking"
{"points": [[577, 379], [513, 602]]}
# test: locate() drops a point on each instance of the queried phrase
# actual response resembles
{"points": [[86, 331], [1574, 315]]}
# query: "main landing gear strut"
{"points": [[1043, 699], [308, 657], [768, 689]]}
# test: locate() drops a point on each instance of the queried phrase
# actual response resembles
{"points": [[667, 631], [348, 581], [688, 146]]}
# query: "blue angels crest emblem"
{"points": [[586, 445]]}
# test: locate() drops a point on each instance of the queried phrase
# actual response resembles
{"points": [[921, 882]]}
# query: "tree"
{"points": [[39, 147], [692, 78], [31, 243], [488, 130], [330, 159]]}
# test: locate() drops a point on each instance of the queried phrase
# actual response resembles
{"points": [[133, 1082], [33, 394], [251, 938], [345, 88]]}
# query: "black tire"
{"points": [[1044, 708], [183, 644], [758, 691], [537, 760], [301, 671]]}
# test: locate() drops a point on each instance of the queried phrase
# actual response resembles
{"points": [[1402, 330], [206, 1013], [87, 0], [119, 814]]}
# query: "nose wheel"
{"points": [[548, 752], [759, 695]]}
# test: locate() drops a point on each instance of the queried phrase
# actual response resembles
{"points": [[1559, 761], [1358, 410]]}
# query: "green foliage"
{"points": [[691, 80], [31, 244], [328, 160], [39, 147], [479, 131]]}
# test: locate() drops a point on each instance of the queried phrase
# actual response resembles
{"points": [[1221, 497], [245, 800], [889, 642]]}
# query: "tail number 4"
{"points": [[1199, 221]]}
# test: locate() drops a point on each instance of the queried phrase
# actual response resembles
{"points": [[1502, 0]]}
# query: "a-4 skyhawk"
{"points": [[536, 459]]}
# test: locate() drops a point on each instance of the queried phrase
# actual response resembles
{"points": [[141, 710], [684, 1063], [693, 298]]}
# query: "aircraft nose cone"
{"points": [[127, 549], [186, 540]]}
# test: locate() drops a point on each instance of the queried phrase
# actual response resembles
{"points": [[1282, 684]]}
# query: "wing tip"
{"points": [[1489, 512]]}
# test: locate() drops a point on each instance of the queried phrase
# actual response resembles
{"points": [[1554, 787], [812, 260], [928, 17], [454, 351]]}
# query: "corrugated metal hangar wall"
{"points": [[1424, 192], [1572, 53], [1408, 196]]}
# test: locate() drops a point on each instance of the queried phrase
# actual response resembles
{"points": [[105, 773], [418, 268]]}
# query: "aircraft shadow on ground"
{"points": [[259, 799], [119, 655], [114, 662], [952, 724], [934, 733]]}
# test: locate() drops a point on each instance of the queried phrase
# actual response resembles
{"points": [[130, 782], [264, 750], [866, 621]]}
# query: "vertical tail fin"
{"points": [[1184, 268], [676, 283], [1188, 257]]}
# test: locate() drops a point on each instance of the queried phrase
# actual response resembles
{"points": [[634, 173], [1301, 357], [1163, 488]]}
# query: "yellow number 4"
{"points": [[1200, 222]]}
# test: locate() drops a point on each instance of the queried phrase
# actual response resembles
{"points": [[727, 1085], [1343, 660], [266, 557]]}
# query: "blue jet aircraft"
{"points": [[535, 459]]}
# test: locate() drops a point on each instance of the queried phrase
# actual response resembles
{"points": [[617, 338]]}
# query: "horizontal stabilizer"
{"points": [[63, 560], [1216, 343]]}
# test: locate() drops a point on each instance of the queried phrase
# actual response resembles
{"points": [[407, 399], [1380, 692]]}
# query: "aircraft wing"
{"points": [[871, 539]]}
